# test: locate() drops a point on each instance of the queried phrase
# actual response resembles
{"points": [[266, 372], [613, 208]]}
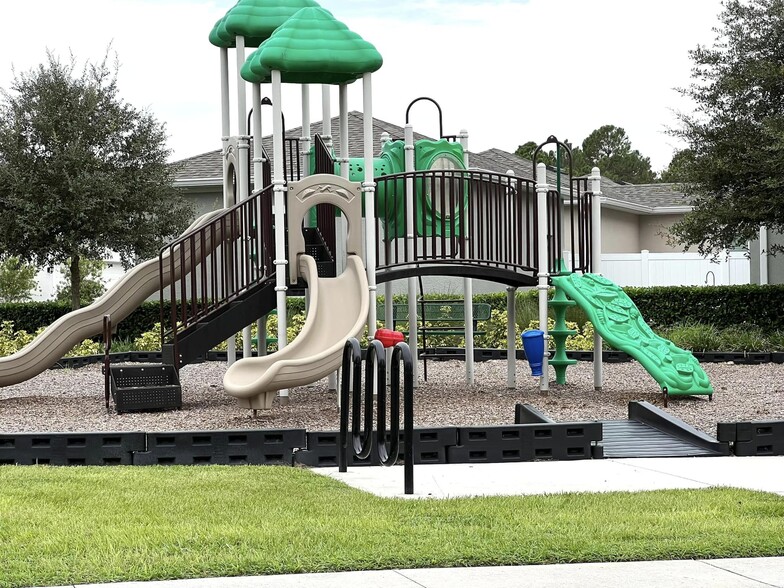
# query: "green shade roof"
{"points": [[312, 47], [255, 20], [252, 71]]}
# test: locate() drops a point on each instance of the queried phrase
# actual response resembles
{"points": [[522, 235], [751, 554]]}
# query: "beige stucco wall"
{"points": [[620, 232], [653, 232]]}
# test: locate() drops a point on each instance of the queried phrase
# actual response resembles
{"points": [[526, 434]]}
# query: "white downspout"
{"points": [[763, 260]]}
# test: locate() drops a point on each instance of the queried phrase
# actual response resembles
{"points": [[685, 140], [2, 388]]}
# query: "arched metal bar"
{"points": [[351, 371], [402, 352], [440, 113]]}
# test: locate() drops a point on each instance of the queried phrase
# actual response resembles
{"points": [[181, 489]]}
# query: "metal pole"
{"points": [[596, 266], [326, 116], [413, 336], [468, 288], [511, 339], [369, 191], [279, 190], [541, 198]]}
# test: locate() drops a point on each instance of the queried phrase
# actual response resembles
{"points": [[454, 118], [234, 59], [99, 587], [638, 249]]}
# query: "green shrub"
{"points": [[693, 336], [12, 341]]}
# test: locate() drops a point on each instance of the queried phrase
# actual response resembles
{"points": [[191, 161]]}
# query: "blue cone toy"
{"points": [[533, 344]]}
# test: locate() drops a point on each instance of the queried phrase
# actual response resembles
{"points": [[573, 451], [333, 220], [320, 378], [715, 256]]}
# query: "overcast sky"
{"points": [[508, 71]]}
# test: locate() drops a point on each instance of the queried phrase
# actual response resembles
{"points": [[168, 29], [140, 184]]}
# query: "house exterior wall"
{"points": [[654, 230], [204, 199], [620, 232]]}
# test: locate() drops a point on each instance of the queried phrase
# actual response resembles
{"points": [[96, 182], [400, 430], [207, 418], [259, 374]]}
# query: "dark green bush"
{"points": [[720, 306]]}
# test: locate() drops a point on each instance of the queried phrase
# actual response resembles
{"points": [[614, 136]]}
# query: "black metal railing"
{"points": [[581, 205], [351, 396], [461, 218], [325, 213], [554, 232], [215, 263]]}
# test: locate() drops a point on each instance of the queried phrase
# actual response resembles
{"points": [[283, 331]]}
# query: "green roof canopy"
{"points": [[255, 20], [312, 47], [252, 71]]}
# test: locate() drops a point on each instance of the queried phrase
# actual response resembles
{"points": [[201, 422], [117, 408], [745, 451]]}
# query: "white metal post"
{"points": [[511, 339], [340, 222], [279, 189], [225, 117], [243, 188], [258, 180], [468, 286], [369, 192], [305, 138], [228, 194], [413, 336], [596, 267], [326, 114], [541, 199]]}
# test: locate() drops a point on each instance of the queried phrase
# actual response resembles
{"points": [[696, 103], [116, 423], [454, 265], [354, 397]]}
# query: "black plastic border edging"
{"points": [[653, 416]]}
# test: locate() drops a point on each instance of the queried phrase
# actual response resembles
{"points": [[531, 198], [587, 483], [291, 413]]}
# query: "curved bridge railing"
{"points": [[469, 223], [476, 224], [362, 441]]}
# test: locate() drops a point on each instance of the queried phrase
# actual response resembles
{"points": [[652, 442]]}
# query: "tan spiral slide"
{"points": [[338, 310], [119, 301]]}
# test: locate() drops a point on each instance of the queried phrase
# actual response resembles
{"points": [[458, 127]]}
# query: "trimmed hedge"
{"points": [[721, 306], [30, 316]]}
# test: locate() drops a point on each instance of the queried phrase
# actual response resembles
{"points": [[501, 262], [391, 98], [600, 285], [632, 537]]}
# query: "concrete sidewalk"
{"points": [[717, 573], [552, 477]]}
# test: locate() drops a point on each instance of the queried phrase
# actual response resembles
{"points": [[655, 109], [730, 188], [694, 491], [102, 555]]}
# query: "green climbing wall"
{"points": [[616, 318]]}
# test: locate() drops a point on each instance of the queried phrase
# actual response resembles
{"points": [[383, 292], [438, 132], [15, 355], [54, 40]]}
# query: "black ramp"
{"points": [[636, 439]]}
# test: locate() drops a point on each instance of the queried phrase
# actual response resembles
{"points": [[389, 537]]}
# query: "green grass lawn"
{"points": [[90, 524]]}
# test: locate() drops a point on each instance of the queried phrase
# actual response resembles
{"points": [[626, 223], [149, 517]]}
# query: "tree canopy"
{"points": [[82, 171], [17, 280], [607, 148], [735, 136]]}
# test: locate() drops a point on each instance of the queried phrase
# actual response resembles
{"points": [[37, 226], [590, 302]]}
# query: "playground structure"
{"points": [[421, 208]]}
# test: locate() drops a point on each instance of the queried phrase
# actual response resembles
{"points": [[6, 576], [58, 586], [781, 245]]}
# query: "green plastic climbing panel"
{"points": [[616, 318]]}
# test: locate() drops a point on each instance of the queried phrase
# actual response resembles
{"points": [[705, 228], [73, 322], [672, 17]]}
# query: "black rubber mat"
{"points": [[636, 439]]}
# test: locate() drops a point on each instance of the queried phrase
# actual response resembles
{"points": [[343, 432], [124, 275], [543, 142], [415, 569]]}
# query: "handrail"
{"points": [[361, 442], [213, 264]]}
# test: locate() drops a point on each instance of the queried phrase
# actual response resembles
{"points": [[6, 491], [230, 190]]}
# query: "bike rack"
{"points": [[350, 393]]}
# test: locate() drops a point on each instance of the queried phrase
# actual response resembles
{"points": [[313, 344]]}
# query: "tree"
{"points": [[610, 149], [81, 171], [607, 148], [736, 133], [678, 169], [17, 280], [91, 284]]}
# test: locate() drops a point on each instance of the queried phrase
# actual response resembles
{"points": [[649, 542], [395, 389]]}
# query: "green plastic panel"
{"points": [[312, 47], [617, 319], [255, 20]]}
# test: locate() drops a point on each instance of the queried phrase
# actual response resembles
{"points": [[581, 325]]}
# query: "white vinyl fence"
{"points": [[675, 269]]}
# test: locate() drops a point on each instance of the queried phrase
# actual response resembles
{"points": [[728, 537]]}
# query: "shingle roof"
{"points": [[208, 168]]}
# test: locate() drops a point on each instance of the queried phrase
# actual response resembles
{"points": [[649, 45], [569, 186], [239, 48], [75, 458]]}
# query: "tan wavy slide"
{"points": [[338, 310], [119, 301]]}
